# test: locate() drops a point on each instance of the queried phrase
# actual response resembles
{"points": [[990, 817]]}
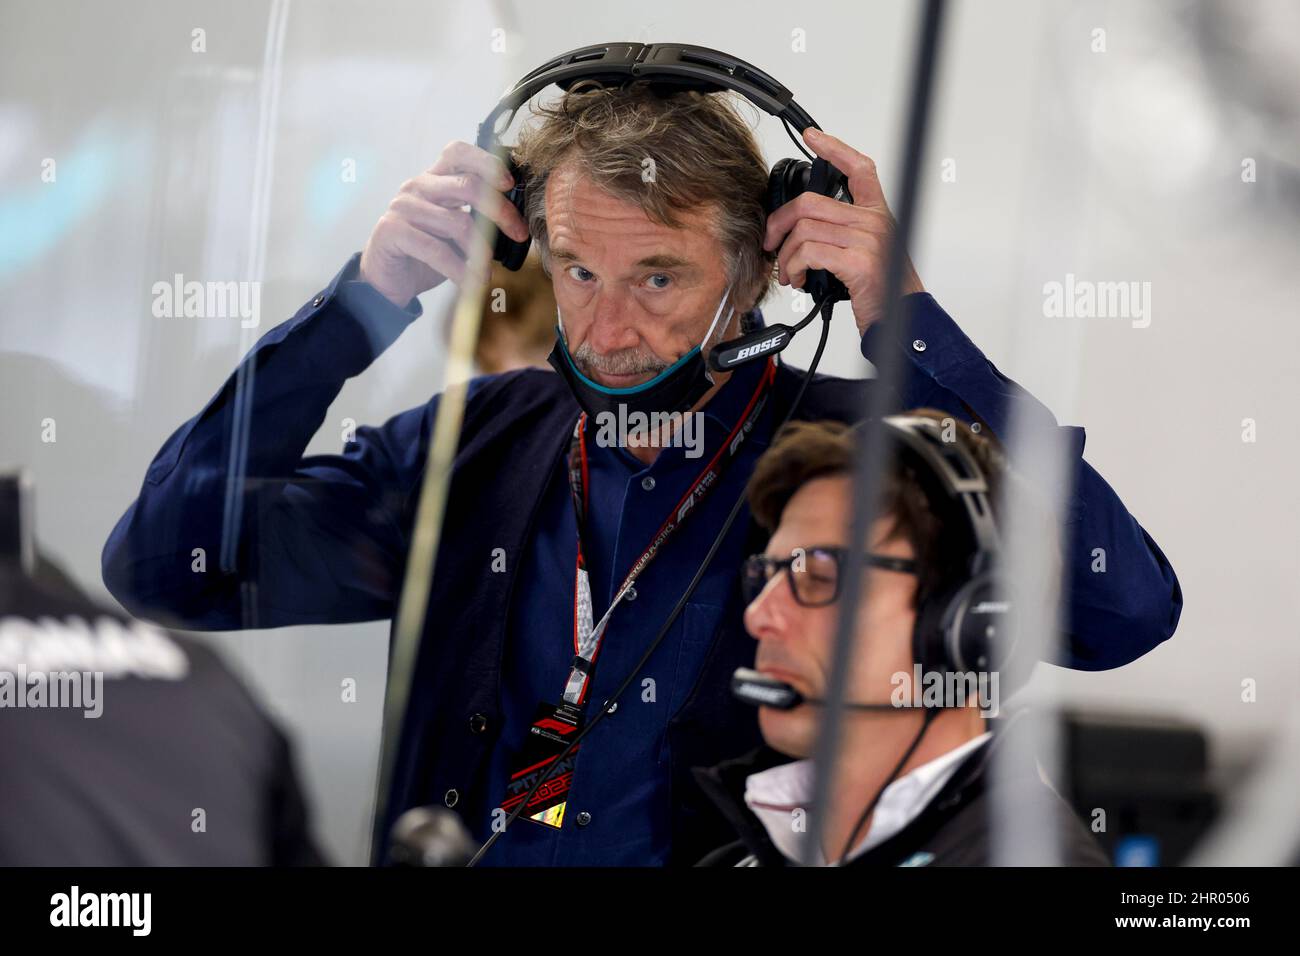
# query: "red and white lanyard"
{"points": [[587, 637]]}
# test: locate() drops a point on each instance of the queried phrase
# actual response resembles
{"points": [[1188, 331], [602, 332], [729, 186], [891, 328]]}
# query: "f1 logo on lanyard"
{"points": [[555, 725]]}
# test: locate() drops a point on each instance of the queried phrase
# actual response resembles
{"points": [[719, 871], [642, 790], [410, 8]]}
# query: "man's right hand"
{"points": [[428, 232]]}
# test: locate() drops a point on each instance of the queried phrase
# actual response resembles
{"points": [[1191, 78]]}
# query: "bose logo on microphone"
{"points": [[991, 607], [759, 692], [751, 350]]}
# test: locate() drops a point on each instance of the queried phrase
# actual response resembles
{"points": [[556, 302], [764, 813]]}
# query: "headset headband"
{"points": [[678, 66], [958, 474]]}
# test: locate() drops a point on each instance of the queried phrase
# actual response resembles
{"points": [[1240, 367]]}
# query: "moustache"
{"points": [[623, 362]]}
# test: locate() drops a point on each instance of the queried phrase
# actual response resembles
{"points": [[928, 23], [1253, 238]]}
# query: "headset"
{"points": [[670, 68], [965, 624]]}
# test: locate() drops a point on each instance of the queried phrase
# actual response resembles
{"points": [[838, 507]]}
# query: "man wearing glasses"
{"points": [[910, 786]]}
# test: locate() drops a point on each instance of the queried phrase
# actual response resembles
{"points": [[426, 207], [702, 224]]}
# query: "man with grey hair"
{"points": [[565, 543]]}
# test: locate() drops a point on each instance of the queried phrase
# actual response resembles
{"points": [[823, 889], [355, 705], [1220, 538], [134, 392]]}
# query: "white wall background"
{"points": [[1114, 166]]}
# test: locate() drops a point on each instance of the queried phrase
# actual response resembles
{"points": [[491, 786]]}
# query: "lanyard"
{"points": [[587, 637]]}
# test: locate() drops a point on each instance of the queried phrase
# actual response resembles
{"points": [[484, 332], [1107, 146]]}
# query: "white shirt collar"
{"points": [[780, 796]]}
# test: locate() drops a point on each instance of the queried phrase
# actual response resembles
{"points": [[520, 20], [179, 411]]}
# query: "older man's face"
{"points": [[634, 295]]}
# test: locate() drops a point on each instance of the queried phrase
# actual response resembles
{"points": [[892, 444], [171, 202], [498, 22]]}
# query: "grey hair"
{"points": [[703, 154]]}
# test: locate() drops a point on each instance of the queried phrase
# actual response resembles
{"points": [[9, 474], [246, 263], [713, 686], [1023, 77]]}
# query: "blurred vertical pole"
{"points": [[871, 450], [413, 606], [255, 268], [1024, 831], [1042, 458]]}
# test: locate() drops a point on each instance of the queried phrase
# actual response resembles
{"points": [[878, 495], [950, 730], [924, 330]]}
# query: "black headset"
{"points": [[966, 623], [669, 68]]}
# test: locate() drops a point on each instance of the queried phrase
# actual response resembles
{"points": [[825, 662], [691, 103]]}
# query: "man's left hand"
{"points": [[851, 241]]}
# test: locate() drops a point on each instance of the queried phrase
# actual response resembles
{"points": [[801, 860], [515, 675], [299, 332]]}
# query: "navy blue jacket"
{"points": [[323, 538]]}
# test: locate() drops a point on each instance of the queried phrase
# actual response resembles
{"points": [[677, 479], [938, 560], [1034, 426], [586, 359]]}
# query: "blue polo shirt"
{"points": [[618, 809]]}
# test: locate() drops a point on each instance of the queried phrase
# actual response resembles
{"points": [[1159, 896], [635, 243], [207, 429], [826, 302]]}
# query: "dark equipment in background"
{"points": [[17, 543], [1148, 775]]}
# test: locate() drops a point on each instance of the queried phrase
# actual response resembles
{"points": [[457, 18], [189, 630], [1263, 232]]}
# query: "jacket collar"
{"points": [[724, 784]]}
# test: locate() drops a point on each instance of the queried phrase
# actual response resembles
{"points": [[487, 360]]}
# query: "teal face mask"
{"points": [[676, 389]]}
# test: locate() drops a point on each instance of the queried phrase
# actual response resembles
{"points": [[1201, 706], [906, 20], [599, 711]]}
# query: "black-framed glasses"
{"points": [[814, 573]]}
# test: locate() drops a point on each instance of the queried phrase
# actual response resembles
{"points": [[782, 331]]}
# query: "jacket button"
{"points": [[451, 797], [318, 300], [477, 724], [584, 818], [648, 483], [918, 345]]}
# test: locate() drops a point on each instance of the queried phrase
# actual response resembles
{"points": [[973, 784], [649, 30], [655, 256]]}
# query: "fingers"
{"points": [[465, 159], [827, 233], [469, 189], [860, 169], [826, 209], [438, 254], [454, 225], [848, 265], [460, 157]]}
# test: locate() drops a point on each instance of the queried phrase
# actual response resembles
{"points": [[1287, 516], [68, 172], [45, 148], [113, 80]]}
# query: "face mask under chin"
{"points": [[676, 389]]}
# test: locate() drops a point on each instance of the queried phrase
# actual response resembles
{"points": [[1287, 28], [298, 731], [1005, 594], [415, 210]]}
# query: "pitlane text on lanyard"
{"points": [[554, 725]]}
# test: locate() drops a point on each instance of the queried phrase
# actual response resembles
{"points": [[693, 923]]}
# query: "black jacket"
{"points": [[952, 830], [123, 788]]}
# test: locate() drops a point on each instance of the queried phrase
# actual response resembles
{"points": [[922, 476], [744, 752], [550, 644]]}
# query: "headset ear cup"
{"points": [[979, 623], [928, 632], [783, 184], [825, 180], [787, 180], [969, 628], [511, 253]]}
